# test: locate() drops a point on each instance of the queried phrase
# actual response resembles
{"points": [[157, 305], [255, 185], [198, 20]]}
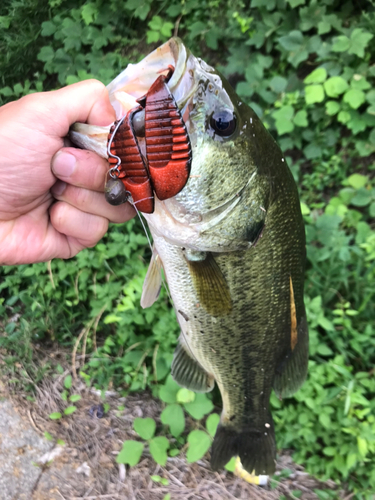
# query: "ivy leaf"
{"points": [[296, 3], [354, 98], [300, 118], [357, 181], [168, 391], [46, 54], [283, 119], [293, 41], [144, 427], [332, 107], [314, 93], [185, 396], [89, 12], [278, 84], [335, 86], [173, 415], [158, 449], [211, 423], [359, 40], [199, 407], [131, 453], [341, 44], [199, 443], [319, 75], [48, 28]]}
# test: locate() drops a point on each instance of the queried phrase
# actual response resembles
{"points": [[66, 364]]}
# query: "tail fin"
{"points": [[256, 448]]}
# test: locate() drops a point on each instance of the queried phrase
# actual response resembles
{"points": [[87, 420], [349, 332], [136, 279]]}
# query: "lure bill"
{"points": [[164, 169], [223, 209]]}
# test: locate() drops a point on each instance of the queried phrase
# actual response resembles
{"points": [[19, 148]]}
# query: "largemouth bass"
{"points": [[231, 243]]}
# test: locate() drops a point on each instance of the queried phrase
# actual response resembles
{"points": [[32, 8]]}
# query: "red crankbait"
{"points": [[166, 168]]}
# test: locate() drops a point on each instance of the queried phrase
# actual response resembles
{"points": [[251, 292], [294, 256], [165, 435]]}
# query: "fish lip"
{"points": [[136, 79]]}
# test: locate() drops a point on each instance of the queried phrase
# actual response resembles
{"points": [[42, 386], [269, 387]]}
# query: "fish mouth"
{"points": [[135, 81]]}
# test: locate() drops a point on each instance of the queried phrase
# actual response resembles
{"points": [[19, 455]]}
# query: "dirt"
{"points": [[84, 466]]}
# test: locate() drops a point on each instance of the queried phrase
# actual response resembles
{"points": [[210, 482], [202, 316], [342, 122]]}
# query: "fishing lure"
{"points": [[164, 169]]}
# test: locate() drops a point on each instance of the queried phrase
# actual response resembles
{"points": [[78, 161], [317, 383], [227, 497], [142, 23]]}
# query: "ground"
{"points": [[85, 466]]}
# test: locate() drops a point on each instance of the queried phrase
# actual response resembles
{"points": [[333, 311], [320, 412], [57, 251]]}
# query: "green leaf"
{"points": [[359, 40], [167, 497], [68, 382], [296, 3], [197, 28], [199, 407], [325, 420], [362, 446], [48, 28], [332, 107], [185, 396], [335, 86], [70, 410], [89, 12], [231, 465], [300, 118], [354, 98], [199, 443], [324, 350], [173, 415], [46, 54], [283, 119], [293, 41], [278, 84], [4, 22], [144, 427], [343, 117], [314, 93], [319, 75], [341, 44], [362, 198], [211, 423], [357, 180], [158, 449], [168, 391], [55, 416], [48, 436], [75, 397], [131, 453]]}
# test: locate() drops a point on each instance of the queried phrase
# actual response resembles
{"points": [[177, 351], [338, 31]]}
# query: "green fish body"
{"points": [[232, 247]]}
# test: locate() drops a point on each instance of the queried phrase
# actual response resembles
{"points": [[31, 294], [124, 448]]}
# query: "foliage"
{"points": [[307, 69]]}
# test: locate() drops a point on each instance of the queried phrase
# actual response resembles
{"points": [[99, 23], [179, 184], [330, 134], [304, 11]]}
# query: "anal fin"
{"points": [[152, 284], [188, 373]]}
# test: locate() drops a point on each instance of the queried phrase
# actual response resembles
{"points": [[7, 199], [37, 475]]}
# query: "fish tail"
{"points": [[256, 448]]}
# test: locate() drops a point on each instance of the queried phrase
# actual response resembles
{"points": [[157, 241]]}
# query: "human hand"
{"points": [[33, 228]]}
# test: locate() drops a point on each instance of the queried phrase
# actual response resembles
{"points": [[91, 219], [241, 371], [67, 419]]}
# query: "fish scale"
{"points": [[231, 243]]}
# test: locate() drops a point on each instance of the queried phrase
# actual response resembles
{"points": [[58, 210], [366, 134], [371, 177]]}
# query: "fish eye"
{"points": [[223, 122]]}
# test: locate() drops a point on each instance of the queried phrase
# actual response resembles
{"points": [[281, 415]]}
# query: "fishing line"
{"points": [[163, 280]]}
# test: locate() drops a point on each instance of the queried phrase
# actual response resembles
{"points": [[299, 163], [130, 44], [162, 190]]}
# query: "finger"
{"points": [[86, 228], [92, 202], [81, 168], [86, 102]]}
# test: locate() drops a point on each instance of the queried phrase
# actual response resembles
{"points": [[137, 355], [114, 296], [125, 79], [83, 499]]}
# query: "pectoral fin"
{"points": [[188, 373], [210, 285], [152, 284]]}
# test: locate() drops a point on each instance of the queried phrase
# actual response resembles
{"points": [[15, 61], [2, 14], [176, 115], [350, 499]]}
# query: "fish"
{"points": [[231, 244]]}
